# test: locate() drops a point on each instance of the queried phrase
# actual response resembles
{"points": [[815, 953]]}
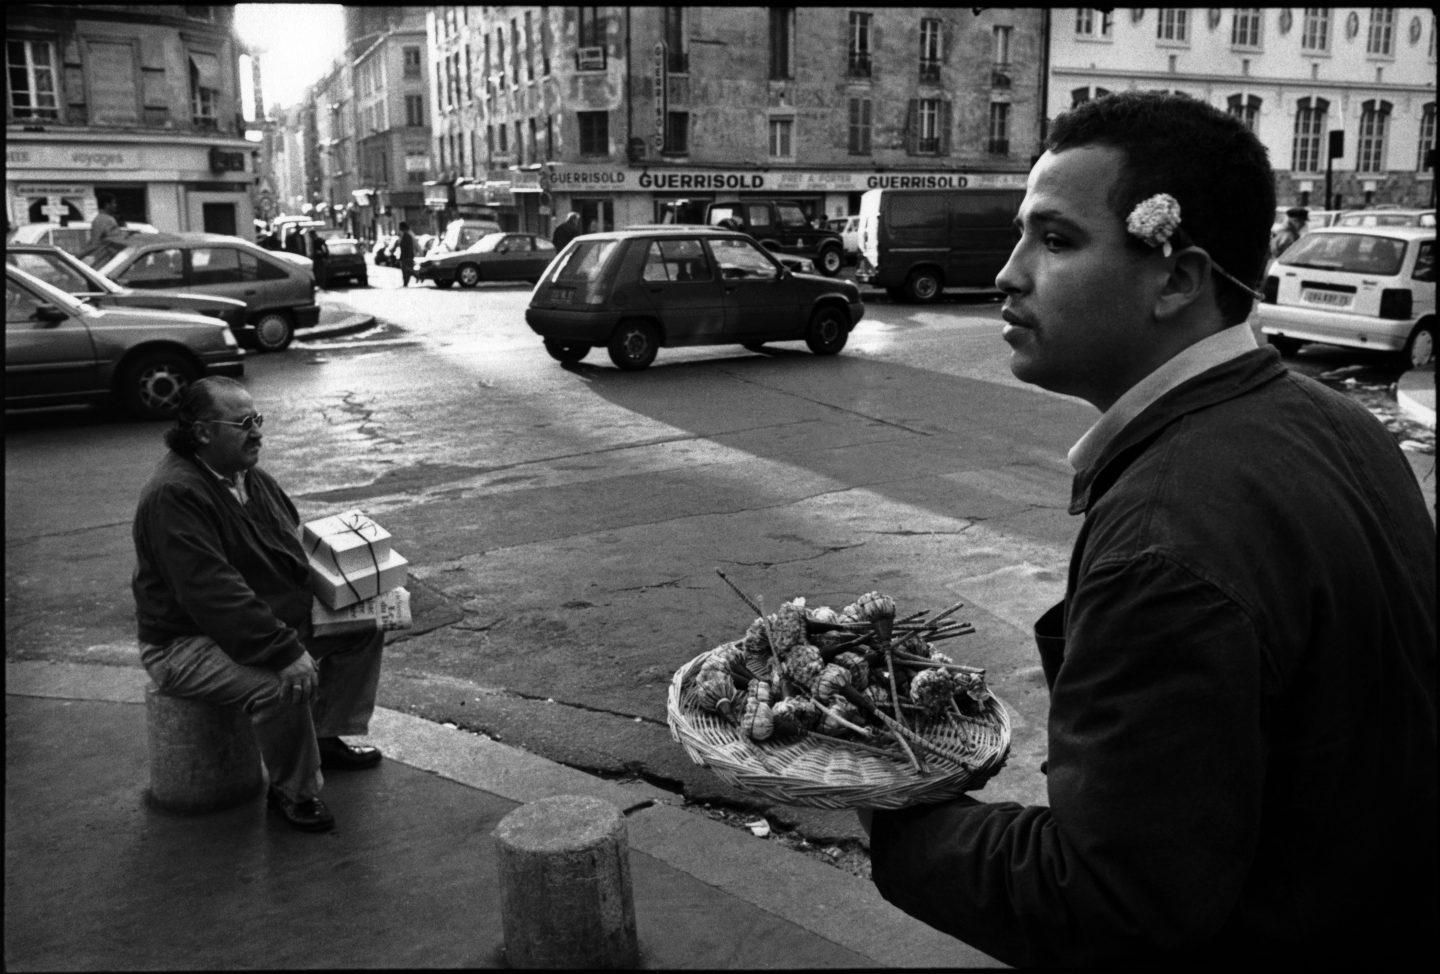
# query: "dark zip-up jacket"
{"points": [[206, 565], [1242, 736]]}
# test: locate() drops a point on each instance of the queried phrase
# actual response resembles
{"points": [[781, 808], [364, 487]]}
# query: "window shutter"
{"points": [[945, 128], [912, 125]]}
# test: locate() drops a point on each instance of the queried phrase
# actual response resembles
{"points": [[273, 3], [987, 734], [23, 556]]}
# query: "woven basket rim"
{"points": [[819, 773]]}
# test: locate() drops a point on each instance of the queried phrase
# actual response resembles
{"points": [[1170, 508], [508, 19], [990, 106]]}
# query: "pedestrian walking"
{"points": [[566, 231], [106, 230], [406, 248], [223, 601], [1249, 615]]}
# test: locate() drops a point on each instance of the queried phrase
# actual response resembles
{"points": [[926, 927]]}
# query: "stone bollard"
{"points": [[565, 898], [202, 757]]}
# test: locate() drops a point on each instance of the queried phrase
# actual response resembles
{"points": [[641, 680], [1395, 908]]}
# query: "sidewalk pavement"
{"points": [[96, 879], [334, 322]]}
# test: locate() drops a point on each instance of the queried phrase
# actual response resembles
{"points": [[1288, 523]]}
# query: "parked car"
{"points": [[278, 291], [59, 350], [1387, 217], [461, 234], [345, 261], [494, 257], [72, 238], [781, 225], [1360, 287], [637, 290], [78, 279], [849, 229], [1314, 219]]}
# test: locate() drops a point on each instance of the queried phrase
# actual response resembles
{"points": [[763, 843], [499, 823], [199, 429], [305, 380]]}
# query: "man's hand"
{"points": [[299, 680]]}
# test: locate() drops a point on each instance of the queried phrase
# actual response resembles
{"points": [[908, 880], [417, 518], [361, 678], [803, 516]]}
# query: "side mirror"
{"points": [[49, 315]]}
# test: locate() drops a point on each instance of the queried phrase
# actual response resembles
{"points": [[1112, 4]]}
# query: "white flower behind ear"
{"points": [[1155, 220]]}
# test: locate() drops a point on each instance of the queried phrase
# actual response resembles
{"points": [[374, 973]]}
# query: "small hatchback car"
{"points": [[1361, 287], [635, 290]]}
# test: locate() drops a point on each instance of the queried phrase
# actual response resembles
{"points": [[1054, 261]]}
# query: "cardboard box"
{"points": [[337, 590], [385, 612], [345, 543]]}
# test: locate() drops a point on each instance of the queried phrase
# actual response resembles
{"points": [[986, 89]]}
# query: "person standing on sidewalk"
{"points": [[566, 231], [407, 254], [1242, 674], [222, 603]]}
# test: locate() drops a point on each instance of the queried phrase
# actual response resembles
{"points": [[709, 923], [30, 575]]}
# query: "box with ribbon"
{"points": [[351, 559], [386, 612]]}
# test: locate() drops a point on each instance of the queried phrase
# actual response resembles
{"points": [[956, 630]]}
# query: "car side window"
{"points": [[156, 268], [214, 265], [270, 270], [677, 260], [520, 245], [542, 244], [759, 217], [51, 271], [743, 259], [791, 216], [20, 308], [1425, 263]]}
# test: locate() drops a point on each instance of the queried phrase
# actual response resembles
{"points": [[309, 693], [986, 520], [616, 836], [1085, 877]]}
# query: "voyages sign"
{"points": [[569, 179]]}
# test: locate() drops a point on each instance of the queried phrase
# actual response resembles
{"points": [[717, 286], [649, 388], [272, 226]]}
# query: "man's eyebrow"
{"points": [[1045, 215]]}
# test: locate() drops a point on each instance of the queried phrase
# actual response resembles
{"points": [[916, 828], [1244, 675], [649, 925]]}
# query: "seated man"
{"points": [[223, 600]]}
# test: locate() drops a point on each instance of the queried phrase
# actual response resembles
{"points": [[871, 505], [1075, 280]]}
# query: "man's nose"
{"points": [[1010, 280]]}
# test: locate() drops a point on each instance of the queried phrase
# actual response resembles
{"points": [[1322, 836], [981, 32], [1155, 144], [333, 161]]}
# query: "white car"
{"points": [[849, 229], [71, 238], [1359, 287]]}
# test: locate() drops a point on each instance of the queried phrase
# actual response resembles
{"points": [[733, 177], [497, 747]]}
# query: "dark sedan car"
{"points": [[494, 257], [633, 291], [59, 350], [75, 277]]}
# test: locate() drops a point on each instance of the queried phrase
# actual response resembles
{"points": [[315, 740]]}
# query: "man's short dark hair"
{"points": [[1298, 213], [1214, 166], [404, 225], [197, 403]]}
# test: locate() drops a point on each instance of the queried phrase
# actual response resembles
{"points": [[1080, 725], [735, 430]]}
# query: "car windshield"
{"points": [[52, 294], [1355, 253], [341, 248], [64, 271], [584, 263]]}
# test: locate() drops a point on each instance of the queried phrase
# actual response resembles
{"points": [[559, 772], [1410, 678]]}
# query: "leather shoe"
{"points": [[336, 755], [310, 815]]}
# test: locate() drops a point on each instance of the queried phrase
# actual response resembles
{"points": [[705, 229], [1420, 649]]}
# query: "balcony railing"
{"points": [[927, 145], [859, 66], [999, 147], [929, 70]]}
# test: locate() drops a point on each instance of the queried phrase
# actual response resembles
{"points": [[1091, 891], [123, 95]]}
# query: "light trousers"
{"points": [[286, 731]]}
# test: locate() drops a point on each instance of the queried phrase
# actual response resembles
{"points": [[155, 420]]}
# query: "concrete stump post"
{"points": [[202, 757], [565, 896]]}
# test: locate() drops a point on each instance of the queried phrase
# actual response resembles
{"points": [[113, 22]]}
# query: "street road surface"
{"points": [[564, 523]]}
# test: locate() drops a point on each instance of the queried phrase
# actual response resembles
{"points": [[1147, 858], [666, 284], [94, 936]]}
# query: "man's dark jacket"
{"points": [[206, 565], [1242, 738]]}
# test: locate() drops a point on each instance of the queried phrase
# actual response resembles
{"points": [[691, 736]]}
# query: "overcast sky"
{"points": [[297, 41]]}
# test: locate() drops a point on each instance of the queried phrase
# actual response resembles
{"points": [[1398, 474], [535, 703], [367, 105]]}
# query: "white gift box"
{"points": [[345, 543], [339, 589], [385, 612]]}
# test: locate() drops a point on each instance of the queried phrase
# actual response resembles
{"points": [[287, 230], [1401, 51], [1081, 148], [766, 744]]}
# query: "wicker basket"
{"points": [[822, 773]]}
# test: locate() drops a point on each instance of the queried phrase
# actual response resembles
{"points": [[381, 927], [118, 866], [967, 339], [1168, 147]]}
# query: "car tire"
{"points": [[468, 275], [1420, 349], [273, 331], [150, 386], [634, 344], [830, 261], [828, 330], [567, 352], [923, 286], [1285, 346], [443, 284]]}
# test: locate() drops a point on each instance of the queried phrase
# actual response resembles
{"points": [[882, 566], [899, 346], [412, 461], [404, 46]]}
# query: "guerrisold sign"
{"points": [[661, 95]]}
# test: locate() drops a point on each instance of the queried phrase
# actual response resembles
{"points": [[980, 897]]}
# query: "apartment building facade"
{"points": [[636, 114], [1295, 75], [142, 102]]}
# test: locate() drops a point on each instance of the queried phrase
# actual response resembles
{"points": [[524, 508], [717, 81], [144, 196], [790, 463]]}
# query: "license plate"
{"points": [[562, 295], [1328, 299]]}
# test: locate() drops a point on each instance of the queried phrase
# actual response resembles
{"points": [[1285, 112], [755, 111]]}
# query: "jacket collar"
{"points": [[1233, 378]]}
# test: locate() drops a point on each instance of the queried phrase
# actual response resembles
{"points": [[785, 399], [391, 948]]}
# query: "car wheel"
{"points": [[468, 275], [830, 261], [923, 286], [443, 284], [1420, 349], [1283, 345], [634, 344], [827, 332], [566, 352], [150, 387], [273, 331]]}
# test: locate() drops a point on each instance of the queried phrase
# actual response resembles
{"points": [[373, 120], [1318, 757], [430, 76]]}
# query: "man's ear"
{"points": [[1185, 285]]}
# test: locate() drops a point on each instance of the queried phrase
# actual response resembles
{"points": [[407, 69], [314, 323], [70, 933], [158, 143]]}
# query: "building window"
{"points": [[1081, 95], [590, 27], [782, 40], [594, 133], [469, 76], [1381, 39], [504, 139], [30, 66], [1173, 25], [999, 128], [930, 49], [204, 88], [529, 46], [860, 126], [1370, 153], [1315, 34], [1245, 29], [411, 59], [519, 141], [1247, 109], [415, 110], [677, 133], [1093, 23], [858, 65], [544, 45], [676, 54], [928, 125], [1427, 135], [500, 55], [1002, 48], [782, 138]]}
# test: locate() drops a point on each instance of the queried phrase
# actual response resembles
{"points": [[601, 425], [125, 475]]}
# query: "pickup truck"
{"points": [[781, 226]]}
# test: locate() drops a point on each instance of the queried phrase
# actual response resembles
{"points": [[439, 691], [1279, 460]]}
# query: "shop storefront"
{"points": [[607, 197], [172, 185]]}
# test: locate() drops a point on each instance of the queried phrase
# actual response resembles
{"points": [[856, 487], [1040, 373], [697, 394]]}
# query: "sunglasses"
{"points": [[252, 422]]}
